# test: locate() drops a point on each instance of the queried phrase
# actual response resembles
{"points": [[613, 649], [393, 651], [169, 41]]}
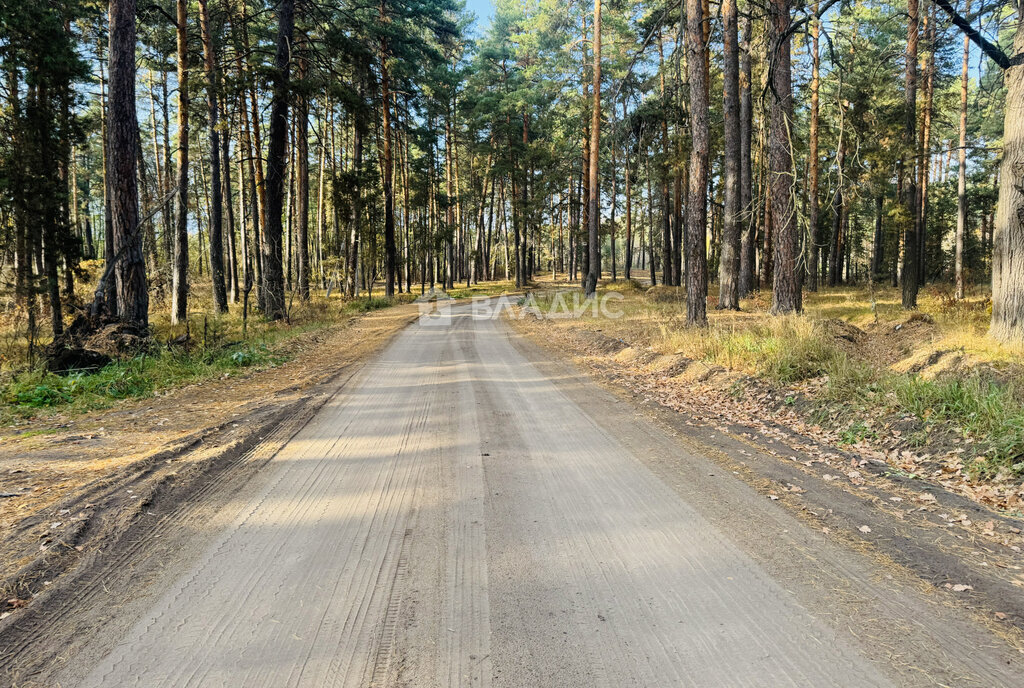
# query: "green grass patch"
{"points": [[984, 410], [789, 350], [36, 390], [365, 304]]}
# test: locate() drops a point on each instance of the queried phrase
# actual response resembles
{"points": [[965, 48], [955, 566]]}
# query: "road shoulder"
{"points": [[884, 590], [109, 543]]}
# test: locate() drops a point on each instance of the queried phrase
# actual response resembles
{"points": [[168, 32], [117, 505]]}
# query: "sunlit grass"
{"points": [[973, 403]]}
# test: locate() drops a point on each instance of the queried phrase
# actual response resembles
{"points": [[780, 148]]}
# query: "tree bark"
{"points": [[924, 156], [628, 263], [594, 199], [110, 287], [179, 266], [910, 257], [667, 278], [961, 182], [652, 263], [388, 164], [130, 266], [356, 210], [449, 209], [878, 255], [729, 259], [748, 239], [786, 296], [302, 184], [697, 199], [216, 225], [273, 304], [1008, 232], [225, 159], [812, 154]]}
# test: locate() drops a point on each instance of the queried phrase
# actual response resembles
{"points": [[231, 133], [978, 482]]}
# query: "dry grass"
{"points": [[206, 346], [856, 350]]}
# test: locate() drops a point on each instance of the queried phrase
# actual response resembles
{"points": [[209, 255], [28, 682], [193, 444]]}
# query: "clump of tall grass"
{"points": [[784, 349]]}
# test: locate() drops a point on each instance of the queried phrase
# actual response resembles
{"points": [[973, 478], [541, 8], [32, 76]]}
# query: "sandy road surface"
{"points": [[454, 518]]}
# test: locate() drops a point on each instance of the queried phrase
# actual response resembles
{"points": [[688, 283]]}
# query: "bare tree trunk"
{"points": [[611, 227], [812, 282], [910, 257], [179, 266], [786, 297], [1007, 234], [273, 304], [161, 182], [628, 267], [961, 182], [729, 261], [835, 256], [878, 255], [449, 208], [652, 263], [216, 226], [110, 287], [667, 278], [521, 263], [697, 199], [388, 165], [748, 239], [130, 266], [406, 217], [302, 184], [168, 214], [924, 156], [594, 198], [582, 259], [225, 159]]}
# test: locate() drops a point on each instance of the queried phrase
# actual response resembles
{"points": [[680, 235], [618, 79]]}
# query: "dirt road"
{"points": [[459, 515]]}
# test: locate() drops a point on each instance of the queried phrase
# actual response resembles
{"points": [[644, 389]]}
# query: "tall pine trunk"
{"points": [[924, 156], [179, 265], [272, 297], [729, 260], [961, 182], [748, 238], [812, 154], [387, 163], [216, 233], [667, 278], [628, 262], [786, 297], [910, 256], [697, 197], [302, 184], [594, 198], [1007, 234], [130, 266]]}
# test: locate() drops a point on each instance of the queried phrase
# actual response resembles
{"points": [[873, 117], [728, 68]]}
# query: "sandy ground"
{"points": [[467, 512], [62, 463]]}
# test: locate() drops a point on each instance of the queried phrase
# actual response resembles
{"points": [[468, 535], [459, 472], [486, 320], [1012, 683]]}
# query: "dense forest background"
{"points": [[159, 154]]}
